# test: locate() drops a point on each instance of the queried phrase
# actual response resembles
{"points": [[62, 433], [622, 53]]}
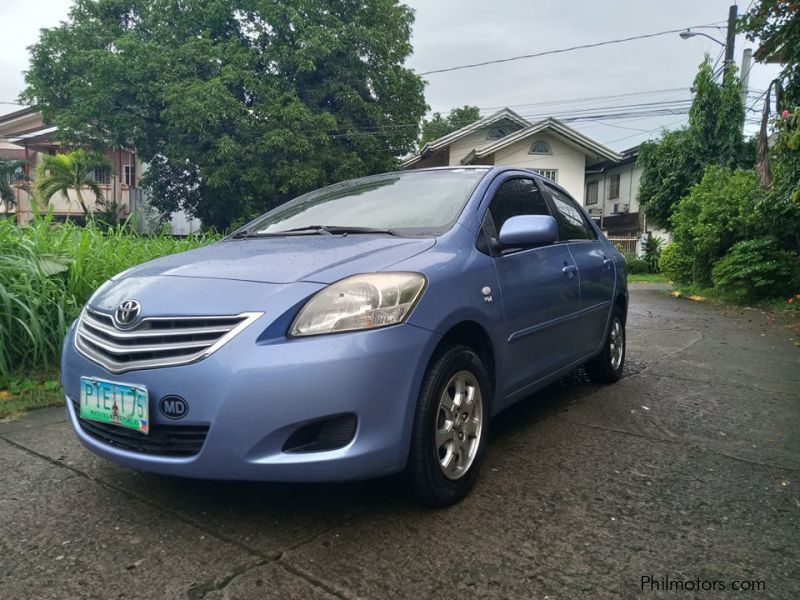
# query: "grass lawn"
{"points": [[648, 278], [21, 393]]}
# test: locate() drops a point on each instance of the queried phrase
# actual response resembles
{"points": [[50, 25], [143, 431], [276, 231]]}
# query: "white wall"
{"points": [[463, 146], [630, 174], [566, 159]]}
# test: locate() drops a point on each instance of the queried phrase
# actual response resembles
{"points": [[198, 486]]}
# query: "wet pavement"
{"points": [[684, 474]]}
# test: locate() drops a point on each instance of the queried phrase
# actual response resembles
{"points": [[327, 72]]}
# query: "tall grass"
{"points": [[49, 270]]}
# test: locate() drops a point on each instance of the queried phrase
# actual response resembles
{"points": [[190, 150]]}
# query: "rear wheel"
{"points": [[607, 366], [450, 427]]}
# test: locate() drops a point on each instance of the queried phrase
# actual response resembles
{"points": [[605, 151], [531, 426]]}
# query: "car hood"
{"points": [[312, 258]]}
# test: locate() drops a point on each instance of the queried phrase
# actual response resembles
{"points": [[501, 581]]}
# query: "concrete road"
{"points": [[687, 469]]}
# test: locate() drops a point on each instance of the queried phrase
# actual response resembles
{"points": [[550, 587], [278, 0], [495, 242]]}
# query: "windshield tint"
{"points": [[407, 203]]}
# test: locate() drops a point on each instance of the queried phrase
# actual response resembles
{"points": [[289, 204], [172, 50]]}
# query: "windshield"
{"points": [[405, 203]]}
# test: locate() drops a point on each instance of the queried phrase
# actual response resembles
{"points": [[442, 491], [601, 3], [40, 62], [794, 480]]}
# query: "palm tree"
{"points": [[73, 171]]}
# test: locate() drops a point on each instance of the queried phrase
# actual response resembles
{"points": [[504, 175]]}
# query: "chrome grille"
{"points": [[155, 341]]}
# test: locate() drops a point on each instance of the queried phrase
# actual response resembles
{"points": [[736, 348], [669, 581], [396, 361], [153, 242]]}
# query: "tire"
{"points": [[607, 366], [443, 466]]}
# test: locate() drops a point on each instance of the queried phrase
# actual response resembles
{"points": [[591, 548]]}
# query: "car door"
{"points": [[539, 290], [595, 268]]}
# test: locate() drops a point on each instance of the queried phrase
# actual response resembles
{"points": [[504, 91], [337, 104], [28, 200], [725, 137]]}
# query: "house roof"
{"points": [[588, 145], [505, 114], [19, 120], [627, 156]]}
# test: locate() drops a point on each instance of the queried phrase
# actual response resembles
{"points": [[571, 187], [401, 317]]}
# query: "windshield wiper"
{"points": [[344, 229], [312, 230], [334, 230]]}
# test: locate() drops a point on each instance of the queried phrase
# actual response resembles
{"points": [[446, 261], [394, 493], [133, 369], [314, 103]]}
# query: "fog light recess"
{"points": [[327, 434]]}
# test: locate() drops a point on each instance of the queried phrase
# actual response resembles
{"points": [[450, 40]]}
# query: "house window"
{"points": [[551, 174], [495, 133], [616, 207], [127, 175], [102, 175], [613, 187], [540, 147], [591, 192]]}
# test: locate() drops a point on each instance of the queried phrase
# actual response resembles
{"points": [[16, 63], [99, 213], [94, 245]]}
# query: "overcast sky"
{"points": [[455, 32]]}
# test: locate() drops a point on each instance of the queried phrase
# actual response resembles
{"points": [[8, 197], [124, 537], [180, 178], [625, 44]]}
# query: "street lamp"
{"points": [[685, 35]]}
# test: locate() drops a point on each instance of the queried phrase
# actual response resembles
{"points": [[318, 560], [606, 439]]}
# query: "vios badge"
{"points": [[173, 407]]}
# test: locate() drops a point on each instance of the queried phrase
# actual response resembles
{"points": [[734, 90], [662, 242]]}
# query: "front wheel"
{"points": [[450, 427], [607, 366]]}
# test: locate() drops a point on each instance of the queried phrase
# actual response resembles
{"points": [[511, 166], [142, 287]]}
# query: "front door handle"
{"points": [[607, 262], [570, 270]]}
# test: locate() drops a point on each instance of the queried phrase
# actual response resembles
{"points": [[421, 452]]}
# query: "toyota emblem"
{"points": [[126, 313]]}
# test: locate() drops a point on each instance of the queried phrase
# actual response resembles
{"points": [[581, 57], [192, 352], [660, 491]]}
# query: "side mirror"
{"points": [[528, 230]]}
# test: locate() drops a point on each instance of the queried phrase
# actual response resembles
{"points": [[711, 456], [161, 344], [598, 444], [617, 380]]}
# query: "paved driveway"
{"points": [[687, 469]]}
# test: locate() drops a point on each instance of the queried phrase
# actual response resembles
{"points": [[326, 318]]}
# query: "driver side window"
{"points": [[519, 196]]}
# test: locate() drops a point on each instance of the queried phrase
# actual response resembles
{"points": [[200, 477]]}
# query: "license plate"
{"points": [[115, 403]]}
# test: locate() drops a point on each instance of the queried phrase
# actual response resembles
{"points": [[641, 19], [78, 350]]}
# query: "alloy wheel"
{"points": [[459, 423]]}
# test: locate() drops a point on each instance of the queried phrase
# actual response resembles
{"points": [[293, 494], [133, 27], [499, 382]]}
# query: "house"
{"points": [[26, 137], [610, 195], [604, 181]]}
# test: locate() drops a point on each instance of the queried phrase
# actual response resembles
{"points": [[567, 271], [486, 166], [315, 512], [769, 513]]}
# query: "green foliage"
{"points": [[675, 265], [25, 392], [780, 207], [8, 172], [238, 105], [48, 271], [652, 252], [713, 137], [60, 173], [636, 265], [775, 24], [757, 270], [438, 126], [719, 211], [669, 170]]}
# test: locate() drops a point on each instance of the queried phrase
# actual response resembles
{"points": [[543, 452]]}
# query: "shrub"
{"points": [[48, 271], [718, 212], [756, 270], [636, 265], [675, 265], [652, 252]]}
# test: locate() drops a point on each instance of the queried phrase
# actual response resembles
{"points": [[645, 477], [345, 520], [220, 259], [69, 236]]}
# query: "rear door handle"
{"points": [[570, 270], [607, 262]]}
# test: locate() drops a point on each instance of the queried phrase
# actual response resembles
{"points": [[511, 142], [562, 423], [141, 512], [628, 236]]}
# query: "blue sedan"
{"points": [[368, 328]]}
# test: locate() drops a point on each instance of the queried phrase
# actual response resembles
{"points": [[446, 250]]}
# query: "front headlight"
{"points": [[360, 302]]}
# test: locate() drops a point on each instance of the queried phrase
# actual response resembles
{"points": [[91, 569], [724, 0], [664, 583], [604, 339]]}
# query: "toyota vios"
{"points": [[367, 328]]}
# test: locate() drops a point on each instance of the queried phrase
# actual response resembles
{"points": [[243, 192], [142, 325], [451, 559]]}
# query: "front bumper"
{"points": [[254, 394]]}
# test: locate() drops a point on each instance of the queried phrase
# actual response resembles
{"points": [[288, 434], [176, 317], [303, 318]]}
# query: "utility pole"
{"points": [[747, 57], [730, 41]]}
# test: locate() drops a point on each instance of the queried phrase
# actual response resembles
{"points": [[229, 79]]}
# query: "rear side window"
{"points": [[516, 197], [571, 223]]}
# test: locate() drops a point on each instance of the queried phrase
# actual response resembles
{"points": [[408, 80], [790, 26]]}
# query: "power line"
{"points": [[586, 99], [568, 49]]}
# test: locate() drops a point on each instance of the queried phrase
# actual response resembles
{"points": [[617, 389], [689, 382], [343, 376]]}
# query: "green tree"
{"points": [[775, 24], [438, 126], [238, 105], [60, 173], [713, 136], [8, 172]]}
